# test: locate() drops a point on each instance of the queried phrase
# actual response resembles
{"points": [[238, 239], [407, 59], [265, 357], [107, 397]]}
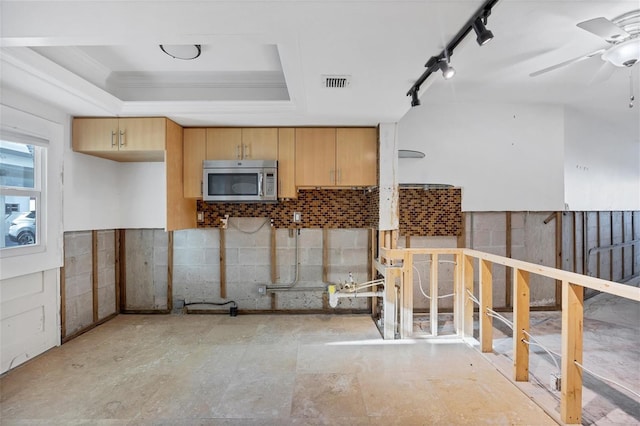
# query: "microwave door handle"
{"points": [[260, 184]]}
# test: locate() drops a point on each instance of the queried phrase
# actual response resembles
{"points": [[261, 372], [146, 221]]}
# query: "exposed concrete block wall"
{"points": [[146, 252], [78, 278], [106, 273], [78, 272], [248, 257]]}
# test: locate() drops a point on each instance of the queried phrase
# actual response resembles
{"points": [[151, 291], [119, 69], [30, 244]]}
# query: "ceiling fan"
{"points": [[622, 34]]}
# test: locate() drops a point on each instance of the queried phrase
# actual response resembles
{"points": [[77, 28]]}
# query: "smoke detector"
{"points": [[336, 81]]}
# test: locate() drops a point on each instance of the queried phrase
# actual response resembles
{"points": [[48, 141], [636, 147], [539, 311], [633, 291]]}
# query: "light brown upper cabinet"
{"points": [[357, 156], [329, 157], [195, 146], [251, 143], [286, 163], [121, 139]]}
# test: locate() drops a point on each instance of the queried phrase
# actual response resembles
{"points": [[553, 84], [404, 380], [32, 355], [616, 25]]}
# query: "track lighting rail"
{"points": [[477, 23]]}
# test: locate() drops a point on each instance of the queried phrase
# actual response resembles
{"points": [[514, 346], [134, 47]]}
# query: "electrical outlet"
{"points": [[556, 382], [200, 216], [297, 217], [262, 289]]}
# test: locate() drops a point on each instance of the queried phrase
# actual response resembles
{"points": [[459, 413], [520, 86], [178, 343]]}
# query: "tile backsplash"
{"points": [[433, 212]]}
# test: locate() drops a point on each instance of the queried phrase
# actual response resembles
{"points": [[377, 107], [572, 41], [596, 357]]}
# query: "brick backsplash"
{"points": [[433, 212]]}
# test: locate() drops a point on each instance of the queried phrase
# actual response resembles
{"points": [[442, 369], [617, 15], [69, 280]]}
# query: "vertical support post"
{"points": [[94, 274], [559, 219], [170, 273], [117, 269], [508, 252], [223, 265], [486, 303], [467, 302], [458, 294], [572, 320], [373, 301], [406, 317], [122, 270], [433, 292], [575, 242], [389, 326], [63, 302], [520, 325], [273, 253]]}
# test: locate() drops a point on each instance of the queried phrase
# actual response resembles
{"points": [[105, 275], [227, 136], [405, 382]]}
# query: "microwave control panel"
{"points": [[270, 184]]}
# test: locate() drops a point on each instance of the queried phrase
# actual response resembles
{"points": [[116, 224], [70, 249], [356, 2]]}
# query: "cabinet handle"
{"points": [[238, 155], [245, 151], [113, 138], [121, 139]]}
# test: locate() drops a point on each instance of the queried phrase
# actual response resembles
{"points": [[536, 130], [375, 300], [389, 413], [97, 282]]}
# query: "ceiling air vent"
{"points": [[336, 81]]}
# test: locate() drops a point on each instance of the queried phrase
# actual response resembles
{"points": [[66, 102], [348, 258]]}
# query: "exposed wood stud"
{"points": [[117, 268], [407, 241], [574, 235], [94, 273], [508, 284], [585, 235], [63, 302], [170, 272], [433, 293], [274, 259], [274, 301], [521, 325], [486, 303], [461, 240], [406, 307], [611, 252], [371, 269], [559, 224], [598, 231], [572, 320], [624, 240], [123, 269], [223, 265], [467, 302]]}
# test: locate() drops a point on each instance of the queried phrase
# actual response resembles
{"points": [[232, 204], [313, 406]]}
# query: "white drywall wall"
{"points": [[602, 164], [504, 156]]}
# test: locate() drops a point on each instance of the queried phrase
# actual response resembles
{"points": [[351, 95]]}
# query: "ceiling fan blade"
{"points": [[602, 27], [565, 63], [603, 74]]}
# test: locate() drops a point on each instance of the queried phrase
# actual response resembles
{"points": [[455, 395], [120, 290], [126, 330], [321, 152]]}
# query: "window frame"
{"points": [[37, 192]]}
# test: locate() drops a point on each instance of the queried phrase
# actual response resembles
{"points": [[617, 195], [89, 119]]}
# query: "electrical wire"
{"points": [[267, 220], [472, 297], [212, 303], [605, 379], [546, 350], [420, 283], [494, 314]]}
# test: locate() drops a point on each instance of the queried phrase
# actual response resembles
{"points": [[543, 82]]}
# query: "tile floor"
{"points": [[259, 370]]}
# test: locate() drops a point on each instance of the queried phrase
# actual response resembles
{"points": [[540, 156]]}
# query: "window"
{"points": [[20, 191]]}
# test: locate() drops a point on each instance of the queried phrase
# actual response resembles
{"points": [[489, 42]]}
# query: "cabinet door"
{"points": [[142, 134], [95, 134], [356, 156], [286, 163], [224, 143], [180, 211], [315, 156], [260, 143], [195, 145]]}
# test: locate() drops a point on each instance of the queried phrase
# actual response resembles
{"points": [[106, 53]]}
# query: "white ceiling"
{"points": [[262, 61]]}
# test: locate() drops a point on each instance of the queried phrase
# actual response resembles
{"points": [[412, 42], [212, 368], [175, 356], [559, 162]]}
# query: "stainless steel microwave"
{"points": [[240, 180]]}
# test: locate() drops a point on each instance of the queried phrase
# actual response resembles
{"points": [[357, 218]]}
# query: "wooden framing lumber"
{"points": [[94, 274], [433, 293], [223, 265], [521, 325], [170, 272], [406, 314], [508, 284], [572, 320], [486, 303], [468, 303]]}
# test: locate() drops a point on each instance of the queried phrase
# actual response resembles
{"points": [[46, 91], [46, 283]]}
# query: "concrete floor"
{"points": [[259, 370]]}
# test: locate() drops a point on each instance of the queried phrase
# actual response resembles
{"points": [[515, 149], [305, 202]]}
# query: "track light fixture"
{"points": [[484, 36], [415, 101], [447, 71], [477, 23]]}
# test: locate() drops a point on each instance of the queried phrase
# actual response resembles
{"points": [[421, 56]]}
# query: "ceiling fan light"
{"points": [[185, 52], [484, 36], [624, 54]]}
